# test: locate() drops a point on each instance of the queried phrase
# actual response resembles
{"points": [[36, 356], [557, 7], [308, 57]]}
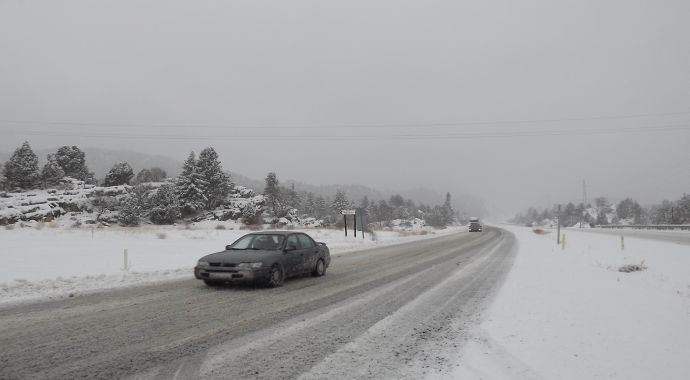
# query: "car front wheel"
{"points": [[319, 269], [275, 277]]}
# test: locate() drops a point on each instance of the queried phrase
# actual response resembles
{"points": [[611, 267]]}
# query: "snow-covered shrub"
{"points": [[251, 215], [130, 212], [120, 174], [164, 206]]}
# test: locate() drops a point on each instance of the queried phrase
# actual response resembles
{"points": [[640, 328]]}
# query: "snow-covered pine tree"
{"points": [[73, 161], [682, 216], [22, 168], [340, 202], [320, 207], [273, 196], [3, 179], [190, 187], [217, 182], [310, 204], [130, 211], [291, 198], [448, 212], [165, 207], [120, 174], [52, 172]]}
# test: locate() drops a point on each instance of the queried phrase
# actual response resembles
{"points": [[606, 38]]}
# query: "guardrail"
{"points": [[685, 227]]}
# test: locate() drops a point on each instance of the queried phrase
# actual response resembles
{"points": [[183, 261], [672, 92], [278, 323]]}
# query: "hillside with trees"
{"points": [[202, 191], [602, 212]]}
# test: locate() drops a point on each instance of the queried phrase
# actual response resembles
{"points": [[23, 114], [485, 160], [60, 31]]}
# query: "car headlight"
{"points": [[202, 264], [250, 265]]}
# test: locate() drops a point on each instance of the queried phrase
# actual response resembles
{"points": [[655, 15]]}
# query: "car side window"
{"points": [[293, 240], [306, 241]]}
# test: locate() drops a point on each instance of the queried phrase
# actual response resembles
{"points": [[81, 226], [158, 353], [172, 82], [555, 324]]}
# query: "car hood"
{"points": [[236, 257]]}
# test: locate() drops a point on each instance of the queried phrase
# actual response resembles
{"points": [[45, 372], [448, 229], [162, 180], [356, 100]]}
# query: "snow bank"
{"points": [[51, 260], [570, 314]]}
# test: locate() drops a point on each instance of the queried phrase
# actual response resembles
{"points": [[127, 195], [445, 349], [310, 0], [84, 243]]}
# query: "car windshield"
{"points": [[263, 242]]}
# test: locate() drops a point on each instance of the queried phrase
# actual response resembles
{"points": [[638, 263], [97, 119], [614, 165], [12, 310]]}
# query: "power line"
{"points": [[415, 137], [329, 126]]}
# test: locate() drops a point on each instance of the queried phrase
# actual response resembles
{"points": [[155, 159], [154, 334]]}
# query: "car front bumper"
{"points": [[231, 274]]}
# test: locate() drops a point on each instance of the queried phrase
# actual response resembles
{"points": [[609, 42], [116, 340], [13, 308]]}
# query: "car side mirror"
{"points": [[290, 248], [227, 247]]}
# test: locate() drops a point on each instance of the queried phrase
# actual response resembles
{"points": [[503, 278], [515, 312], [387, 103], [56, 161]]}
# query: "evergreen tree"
{"points": [[191, 187], [364, 203], [340, 202], [22, 168], [290, 197], [321, 208], [52, 172], [372, 212], [273, 196], [143, 176], [165, 207], [120, 174], [630, 209], [73, 162], [130, 212], [447, 211], [385, 212], [217, 182], [3, 179], [602, 220], [150, 175], [436, 217], [310, 204], [682, 215]]}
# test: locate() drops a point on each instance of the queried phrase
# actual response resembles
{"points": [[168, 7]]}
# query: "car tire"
{"points": [[212, 283], [275, 277], [319, 268]]}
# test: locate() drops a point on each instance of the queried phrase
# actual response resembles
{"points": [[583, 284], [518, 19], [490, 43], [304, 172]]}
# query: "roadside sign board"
{"points": [[348, 212]]}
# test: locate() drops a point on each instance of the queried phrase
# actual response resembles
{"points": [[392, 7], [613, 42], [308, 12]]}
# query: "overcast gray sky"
{"points": [[516, 101]]}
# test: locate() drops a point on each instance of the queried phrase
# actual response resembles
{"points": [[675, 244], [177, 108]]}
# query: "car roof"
{"points": [[275, 233]]}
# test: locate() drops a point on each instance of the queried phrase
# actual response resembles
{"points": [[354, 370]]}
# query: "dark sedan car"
{"points": [[265, 257]]}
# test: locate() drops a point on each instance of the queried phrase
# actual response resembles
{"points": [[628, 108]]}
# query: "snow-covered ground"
{"points": [[55, 260], [570, 314]]}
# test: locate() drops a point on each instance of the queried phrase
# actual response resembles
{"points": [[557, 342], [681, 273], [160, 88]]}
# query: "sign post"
{"points": [[345, 213]]}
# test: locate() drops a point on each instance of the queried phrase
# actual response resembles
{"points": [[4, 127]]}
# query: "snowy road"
{"points": [[392, 312]]}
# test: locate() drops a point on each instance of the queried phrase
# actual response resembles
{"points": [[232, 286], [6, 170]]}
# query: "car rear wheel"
{"points": [[275, 277], [319, 269]]}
